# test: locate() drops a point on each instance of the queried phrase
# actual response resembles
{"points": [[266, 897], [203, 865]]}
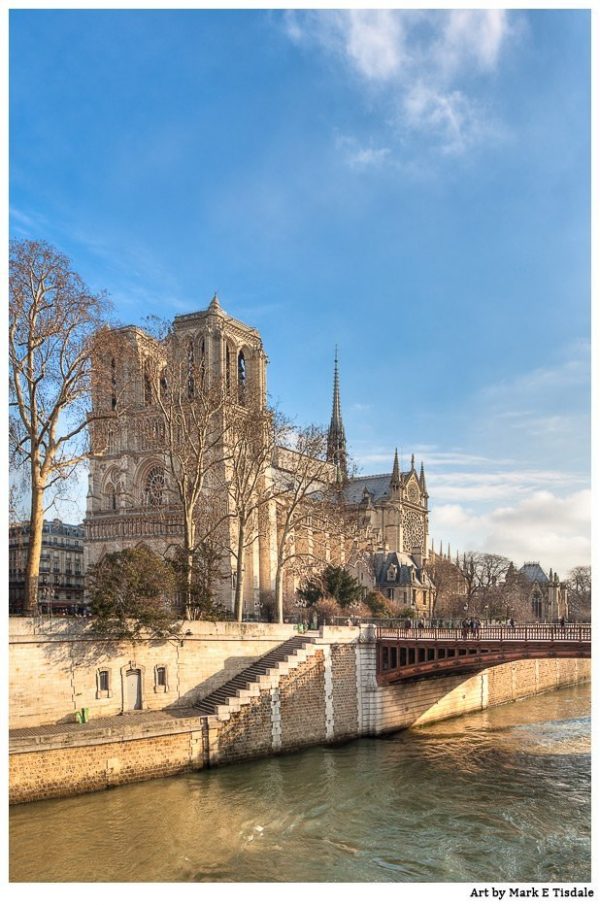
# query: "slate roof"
{"points": [[534, 572], [378, 486], [404, 563]]}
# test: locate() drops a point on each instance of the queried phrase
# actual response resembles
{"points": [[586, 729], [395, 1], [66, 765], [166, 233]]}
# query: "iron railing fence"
{"points": [[528, 632]]}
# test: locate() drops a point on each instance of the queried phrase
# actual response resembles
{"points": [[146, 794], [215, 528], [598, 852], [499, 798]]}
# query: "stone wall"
{"points": [[326, 693], [430, 700], [303, 704], [62, 765], [54, 666]]}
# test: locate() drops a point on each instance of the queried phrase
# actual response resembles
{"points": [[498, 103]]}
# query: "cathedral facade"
{"points": [[129, 502]]}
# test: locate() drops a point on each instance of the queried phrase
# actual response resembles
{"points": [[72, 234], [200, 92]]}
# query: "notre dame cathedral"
{"points": [[127, 471]]}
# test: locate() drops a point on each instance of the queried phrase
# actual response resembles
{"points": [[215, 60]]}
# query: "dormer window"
{"points": [[392, 573]]}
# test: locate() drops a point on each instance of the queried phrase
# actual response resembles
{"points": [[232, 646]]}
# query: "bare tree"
{"points": [[579, 585], [192, 415], [307, 504], [52, 319], [448, 586], [483, 575], [253, 432]]}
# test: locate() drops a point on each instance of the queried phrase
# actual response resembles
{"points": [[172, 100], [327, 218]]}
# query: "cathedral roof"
{"points": [[378, 486], [534, 572], [404, 563]]}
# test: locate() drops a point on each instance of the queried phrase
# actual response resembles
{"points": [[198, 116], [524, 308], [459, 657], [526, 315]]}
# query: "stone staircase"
{"points": [[261, 675]]}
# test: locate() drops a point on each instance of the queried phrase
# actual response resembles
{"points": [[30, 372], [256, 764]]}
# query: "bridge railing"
{"points": [[531, 632]]}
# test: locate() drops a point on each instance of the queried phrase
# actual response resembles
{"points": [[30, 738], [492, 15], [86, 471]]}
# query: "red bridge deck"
{"points": [[409, 653]]}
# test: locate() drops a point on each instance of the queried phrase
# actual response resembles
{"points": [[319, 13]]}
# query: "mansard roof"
{"points": [[378, 486], [534, 572], [404, 563]]}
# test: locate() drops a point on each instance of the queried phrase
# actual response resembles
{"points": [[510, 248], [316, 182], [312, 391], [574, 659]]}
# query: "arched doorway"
{"points": [[133, 690]]}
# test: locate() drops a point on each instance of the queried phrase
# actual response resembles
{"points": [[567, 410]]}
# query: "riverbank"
{"points": [[327, 695], [479, 798]]}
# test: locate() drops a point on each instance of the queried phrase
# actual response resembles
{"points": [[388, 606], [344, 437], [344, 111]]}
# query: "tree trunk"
{"points": [[279, 593], [34, 552], [189, 561], [239, 583]]}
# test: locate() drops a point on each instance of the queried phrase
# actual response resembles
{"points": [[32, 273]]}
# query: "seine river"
{"points": [[497, 796]]}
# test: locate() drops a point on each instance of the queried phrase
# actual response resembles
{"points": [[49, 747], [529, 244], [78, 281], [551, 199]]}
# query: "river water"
{"points": [[499, 796]]}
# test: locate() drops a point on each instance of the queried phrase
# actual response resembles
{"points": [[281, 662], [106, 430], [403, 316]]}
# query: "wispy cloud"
{"points": [[360, 157], [421, 66]]}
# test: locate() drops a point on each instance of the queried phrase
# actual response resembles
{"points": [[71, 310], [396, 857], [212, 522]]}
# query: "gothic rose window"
{"points": [[155, 486]]}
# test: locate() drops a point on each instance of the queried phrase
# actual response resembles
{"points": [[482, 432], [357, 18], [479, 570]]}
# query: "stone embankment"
{"points": [[291, 692]]}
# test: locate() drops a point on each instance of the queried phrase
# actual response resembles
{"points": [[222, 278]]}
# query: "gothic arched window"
{"points": [[241, 378], [227, 368], [163, 384], [202, 364], [110, 497], [147, 388], [113, 383], [190, 384], [155, 486]]}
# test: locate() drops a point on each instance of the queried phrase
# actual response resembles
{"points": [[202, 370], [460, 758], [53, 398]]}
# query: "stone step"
{"points": [[259, 674]]}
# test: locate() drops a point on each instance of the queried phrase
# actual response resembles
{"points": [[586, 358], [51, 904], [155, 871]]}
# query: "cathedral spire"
{"points": [[395, 479], [336, 437], [422, 479]]}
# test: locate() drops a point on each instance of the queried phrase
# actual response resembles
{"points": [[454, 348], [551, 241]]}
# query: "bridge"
{"points": [[409, 653]]}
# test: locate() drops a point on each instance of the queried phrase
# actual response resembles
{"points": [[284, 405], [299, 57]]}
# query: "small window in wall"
{"points": [[103, 684], [390, 593], [160, 679]]}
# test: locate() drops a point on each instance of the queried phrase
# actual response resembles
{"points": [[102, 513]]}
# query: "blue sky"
{"points": [[413, 186]]}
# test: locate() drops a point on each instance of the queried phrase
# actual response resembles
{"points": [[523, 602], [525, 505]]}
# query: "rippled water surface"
{"points": [[497, 796]]}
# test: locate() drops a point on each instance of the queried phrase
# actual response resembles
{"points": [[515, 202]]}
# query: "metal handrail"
{"points": [[530, 632]]}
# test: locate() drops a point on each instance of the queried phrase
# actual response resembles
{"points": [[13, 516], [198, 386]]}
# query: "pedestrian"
{"points": [[512, 623], [465, 628]]}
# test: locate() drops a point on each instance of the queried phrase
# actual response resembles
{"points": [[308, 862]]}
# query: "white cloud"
{"points": [[471, 37], [374, 41], [544, 527], [421, 64], [360, 157]]}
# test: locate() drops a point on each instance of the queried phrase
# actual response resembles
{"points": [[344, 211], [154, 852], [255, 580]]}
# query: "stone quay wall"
{"points": [[54, 666], [326, 694]]}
